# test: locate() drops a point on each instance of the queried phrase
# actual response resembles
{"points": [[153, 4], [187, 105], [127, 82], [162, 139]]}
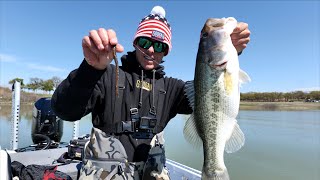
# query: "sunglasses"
{"points": [[146, 43]]}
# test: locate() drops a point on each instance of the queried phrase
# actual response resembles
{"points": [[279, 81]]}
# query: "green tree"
{"points": [[47, 85], [299, 95], [17, 79], [315, 95], [288, 96]]}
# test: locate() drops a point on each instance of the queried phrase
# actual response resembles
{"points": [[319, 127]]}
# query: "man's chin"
{"points": [[148, 67]]}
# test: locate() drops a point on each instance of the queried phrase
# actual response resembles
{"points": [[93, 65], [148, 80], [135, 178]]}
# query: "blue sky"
{"points": [[43, 39]]}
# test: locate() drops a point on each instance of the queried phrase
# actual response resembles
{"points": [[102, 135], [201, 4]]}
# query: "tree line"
{"points": [[39, 84], [51, 84], [281, 96]]}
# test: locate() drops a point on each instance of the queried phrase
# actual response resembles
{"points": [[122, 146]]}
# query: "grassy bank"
{"points": [[30, 98], [279, 106], [257, 106], [25, 97]]}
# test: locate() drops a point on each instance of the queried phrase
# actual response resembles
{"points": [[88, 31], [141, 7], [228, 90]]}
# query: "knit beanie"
{"points": [[155, 26]]}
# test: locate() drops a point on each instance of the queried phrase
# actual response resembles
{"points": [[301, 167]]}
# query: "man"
{"points": [[126, 120]]}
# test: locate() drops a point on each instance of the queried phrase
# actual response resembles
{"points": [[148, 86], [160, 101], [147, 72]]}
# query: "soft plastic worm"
{"points": [[117, 70]]}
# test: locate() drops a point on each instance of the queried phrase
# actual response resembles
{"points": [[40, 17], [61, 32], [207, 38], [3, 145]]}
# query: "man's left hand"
{"points": [[240, 36]]}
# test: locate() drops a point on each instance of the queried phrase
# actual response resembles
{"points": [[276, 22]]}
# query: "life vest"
{"points": [[105, 158]]}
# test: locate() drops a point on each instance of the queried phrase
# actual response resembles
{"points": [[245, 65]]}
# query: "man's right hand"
{"points": [[98, 47]]}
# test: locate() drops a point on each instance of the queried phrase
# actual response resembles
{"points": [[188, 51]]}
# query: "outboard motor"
{"points": [[46, 126]]}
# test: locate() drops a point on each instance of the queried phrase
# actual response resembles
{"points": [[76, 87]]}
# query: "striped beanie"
{"points": [[155, 26]]}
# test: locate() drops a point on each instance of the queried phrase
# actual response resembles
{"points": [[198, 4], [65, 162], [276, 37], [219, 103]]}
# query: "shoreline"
{"points": [[245, 105], [279, 106]]}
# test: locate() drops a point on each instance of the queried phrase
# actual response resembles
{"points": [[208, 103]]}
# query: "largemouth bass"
{"points": [[215, 97]]}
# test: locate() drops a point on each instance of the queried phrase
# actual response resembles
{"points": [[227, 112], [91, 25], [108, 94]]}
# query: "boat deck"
{"points": [[47, 157]]}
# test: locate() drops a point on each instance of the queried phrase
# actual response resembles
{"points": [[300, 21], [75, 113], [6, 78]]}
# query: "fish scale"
{"points": [[209, 102], [214, 96]]}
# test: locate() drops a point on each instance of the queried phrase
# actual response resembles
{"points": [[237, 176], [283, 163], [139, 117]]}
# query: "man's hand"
{"points": [[98, 47], [240, 36]]}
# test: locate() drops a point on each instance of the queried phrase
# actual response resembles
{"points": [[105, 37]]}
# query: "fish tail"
{"points": [[217, 175]]}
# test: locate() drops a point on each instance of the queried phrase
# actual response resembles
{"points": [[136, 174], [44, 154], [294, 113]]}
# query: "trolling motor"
{"points": [[47, 128]]}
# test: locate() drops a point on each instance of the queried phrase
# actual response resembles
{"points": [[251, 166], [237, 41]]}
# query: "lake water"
{"points": [[280, 145]]}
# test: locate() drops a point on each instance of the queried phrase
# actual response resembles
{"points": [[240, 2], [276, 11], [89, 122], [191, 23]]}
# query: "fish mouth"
{"points": [[220, 65]]}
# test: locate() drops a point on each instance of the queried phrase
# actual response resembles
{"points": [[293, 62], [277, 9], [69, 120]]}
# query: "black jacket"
{"points": [[88, 90]]}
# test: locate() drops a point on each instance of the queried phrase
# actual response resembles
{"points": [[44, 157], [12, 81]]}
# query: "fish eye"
{"points": [[204, 35]]}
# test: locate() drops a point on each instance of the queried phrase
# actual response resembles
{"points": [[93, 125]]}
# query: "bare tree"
{"points": [[35, 84], [56, 81]]}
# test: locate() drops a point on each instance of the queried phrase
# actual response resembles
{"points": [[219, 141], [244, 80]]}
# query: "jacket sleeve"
{"points": [[76, 96], [180, 103]]}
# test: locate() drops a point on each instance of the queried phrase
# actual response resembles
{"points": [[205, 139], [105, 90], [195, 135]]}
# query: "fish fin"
{"points": [[189, 92], [190, 132], [236, 140], [243, 77]]}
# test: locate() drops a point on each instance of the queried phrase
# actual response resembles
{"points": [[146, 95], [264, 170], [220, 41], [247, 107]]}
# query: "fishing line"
{"points": [[146, 54]]}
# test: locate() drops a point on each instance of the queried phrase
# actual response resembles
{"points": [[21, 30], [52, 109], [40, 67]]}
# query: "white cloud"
{"points": [[308, 89], [7, 58], [35, 66], [45, 68]]}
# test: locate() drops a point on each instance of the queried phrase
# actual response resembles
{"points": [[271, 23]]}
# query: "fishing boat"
{"points": [[46, 134]]}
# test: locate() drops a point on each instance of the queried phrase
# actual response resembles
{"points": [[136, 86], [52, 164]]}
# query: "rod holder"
{"points": [[76, 129], [16, 88]]}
